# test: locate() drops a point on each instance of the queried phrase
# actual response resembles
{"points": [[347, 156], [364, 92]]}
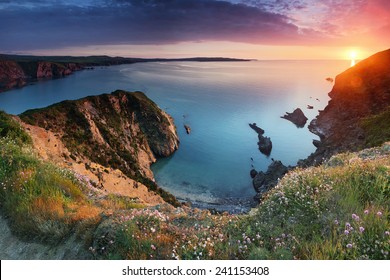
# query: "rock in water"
{"points": [[297, 117], [256, 128], [263, 182], [187, 128], [253, 173], [265, 145]]}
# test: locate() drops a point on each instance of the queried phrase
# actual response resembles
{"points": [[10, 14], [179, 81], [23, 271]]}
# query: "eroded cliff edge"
{"points": [[358, 114], [14, 74], [122, 130]]}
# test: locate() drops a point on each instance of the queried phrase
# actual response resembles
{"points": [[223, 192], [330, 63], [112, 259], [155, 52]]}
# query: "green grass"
{"points": [[377, 128], [339, 210], [42, 201], [327, 212]]}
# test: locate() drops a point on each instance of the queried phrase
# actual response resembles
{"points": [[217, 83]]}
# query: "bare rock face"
{"points": [[18, 73], [11, 75], [297, 117], [122, 130]]}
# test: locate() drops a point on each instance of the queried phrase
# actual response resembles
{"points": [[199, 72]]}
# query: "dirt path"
{"points": [[12, 248]]}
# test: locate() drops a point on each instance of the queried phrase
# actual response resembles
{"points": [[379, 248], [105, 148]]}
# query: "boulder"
{"points": [[317, 143], [263, 182], [253, 173], [297, 117]]}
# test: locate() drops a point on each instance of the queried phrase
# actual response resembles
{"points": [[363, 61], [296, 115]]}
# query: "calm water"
{"points": [[217, 100]]}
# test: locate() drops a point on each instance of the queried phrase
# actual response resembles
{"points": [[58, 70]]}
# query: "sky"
{"points": [[256, 29]]}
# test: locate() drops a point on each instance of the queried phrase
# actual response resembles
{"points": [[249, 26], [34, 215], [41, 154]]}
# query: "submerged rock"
{"points": [[297, 117]]}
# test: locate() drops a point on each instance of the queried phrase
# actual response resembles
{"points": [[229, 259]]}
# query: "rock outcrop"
{"points": [[297, 117], [265, 143], [361, 91], [122, 130], [263, 182]]}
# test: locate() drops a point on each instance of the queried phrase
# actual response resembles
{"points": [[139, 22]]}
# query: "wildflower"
{"points": [[361, 229], [366, 212], [336, 222], [347, 225], [346, 232], [379, 213], [349, 245], [387, 232], [355, 217], [153, 230], [153, 247]]}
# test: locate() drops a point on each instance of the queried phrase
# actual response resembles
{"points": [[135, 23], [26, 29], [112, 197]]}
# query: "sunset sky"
{"points": [[259, 29]]}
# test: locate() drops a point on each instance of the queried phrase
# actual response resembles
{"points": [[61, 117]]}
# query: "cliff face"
{"points": [[11, 75], [122, 130], [360, 92], [17, 74]]}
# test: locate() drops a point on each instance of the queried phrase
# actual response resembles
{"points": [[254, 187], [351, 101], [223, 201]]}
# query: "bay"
{"points": [[217, 100]]}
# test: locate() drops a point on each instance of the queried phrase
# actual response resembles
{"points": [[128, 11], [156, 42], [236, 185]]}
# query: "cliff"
{"points": [[15, 74], [121, 130], [11, 75], [358, 111]]}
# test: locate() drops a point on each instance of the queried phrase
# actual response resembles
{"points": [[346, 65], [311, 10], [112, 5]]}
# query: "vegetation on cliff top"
{"points": [[339, 210], [112, 130]]}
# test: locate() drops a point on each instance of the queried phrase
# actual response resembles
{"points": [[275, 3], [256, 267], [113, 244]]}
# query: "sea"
{"points": [[217, 100]]}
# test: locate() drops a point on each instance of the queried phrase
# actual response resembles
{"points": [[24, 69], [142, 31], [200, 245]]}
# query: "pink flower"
{"points": [[379, 213], [347, 225], [361, 229], [355, 217], [387, 232], [346, 232], [153, 247], [349, 245], [366, 212]]}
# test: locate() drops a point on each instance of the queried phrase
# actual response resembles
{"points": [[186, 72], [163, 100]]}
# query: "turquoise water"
{"points": [[217, 100]]}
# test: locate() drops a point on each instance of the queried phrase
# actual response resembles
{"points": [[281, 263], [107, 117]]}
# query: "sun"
{"points": [[353, 54]]}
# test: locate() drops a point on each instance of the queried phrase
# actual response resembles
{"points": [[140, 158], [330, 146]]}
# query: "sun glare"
{"points": [[353, 56]]}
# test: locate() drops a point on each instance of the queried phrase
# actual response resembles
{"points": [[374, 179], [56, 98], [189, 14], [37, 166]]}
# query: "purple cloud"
{"points": [[32, 26]]}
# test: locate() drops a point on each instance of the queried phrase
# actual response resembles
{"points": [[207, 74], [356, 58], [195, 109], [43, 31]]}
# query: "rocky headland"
{"points": [[358, 114], [123, 131]]}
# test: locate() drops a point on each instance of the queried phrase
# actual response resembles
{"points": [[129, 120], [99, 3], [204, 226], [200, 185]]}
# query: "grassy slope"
{"points": [[339, 210]]}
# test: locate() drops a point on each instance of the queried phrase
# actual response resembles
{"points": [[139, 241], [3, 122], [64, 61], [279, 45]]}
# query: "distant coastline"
{"points": [[17, 71]]}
